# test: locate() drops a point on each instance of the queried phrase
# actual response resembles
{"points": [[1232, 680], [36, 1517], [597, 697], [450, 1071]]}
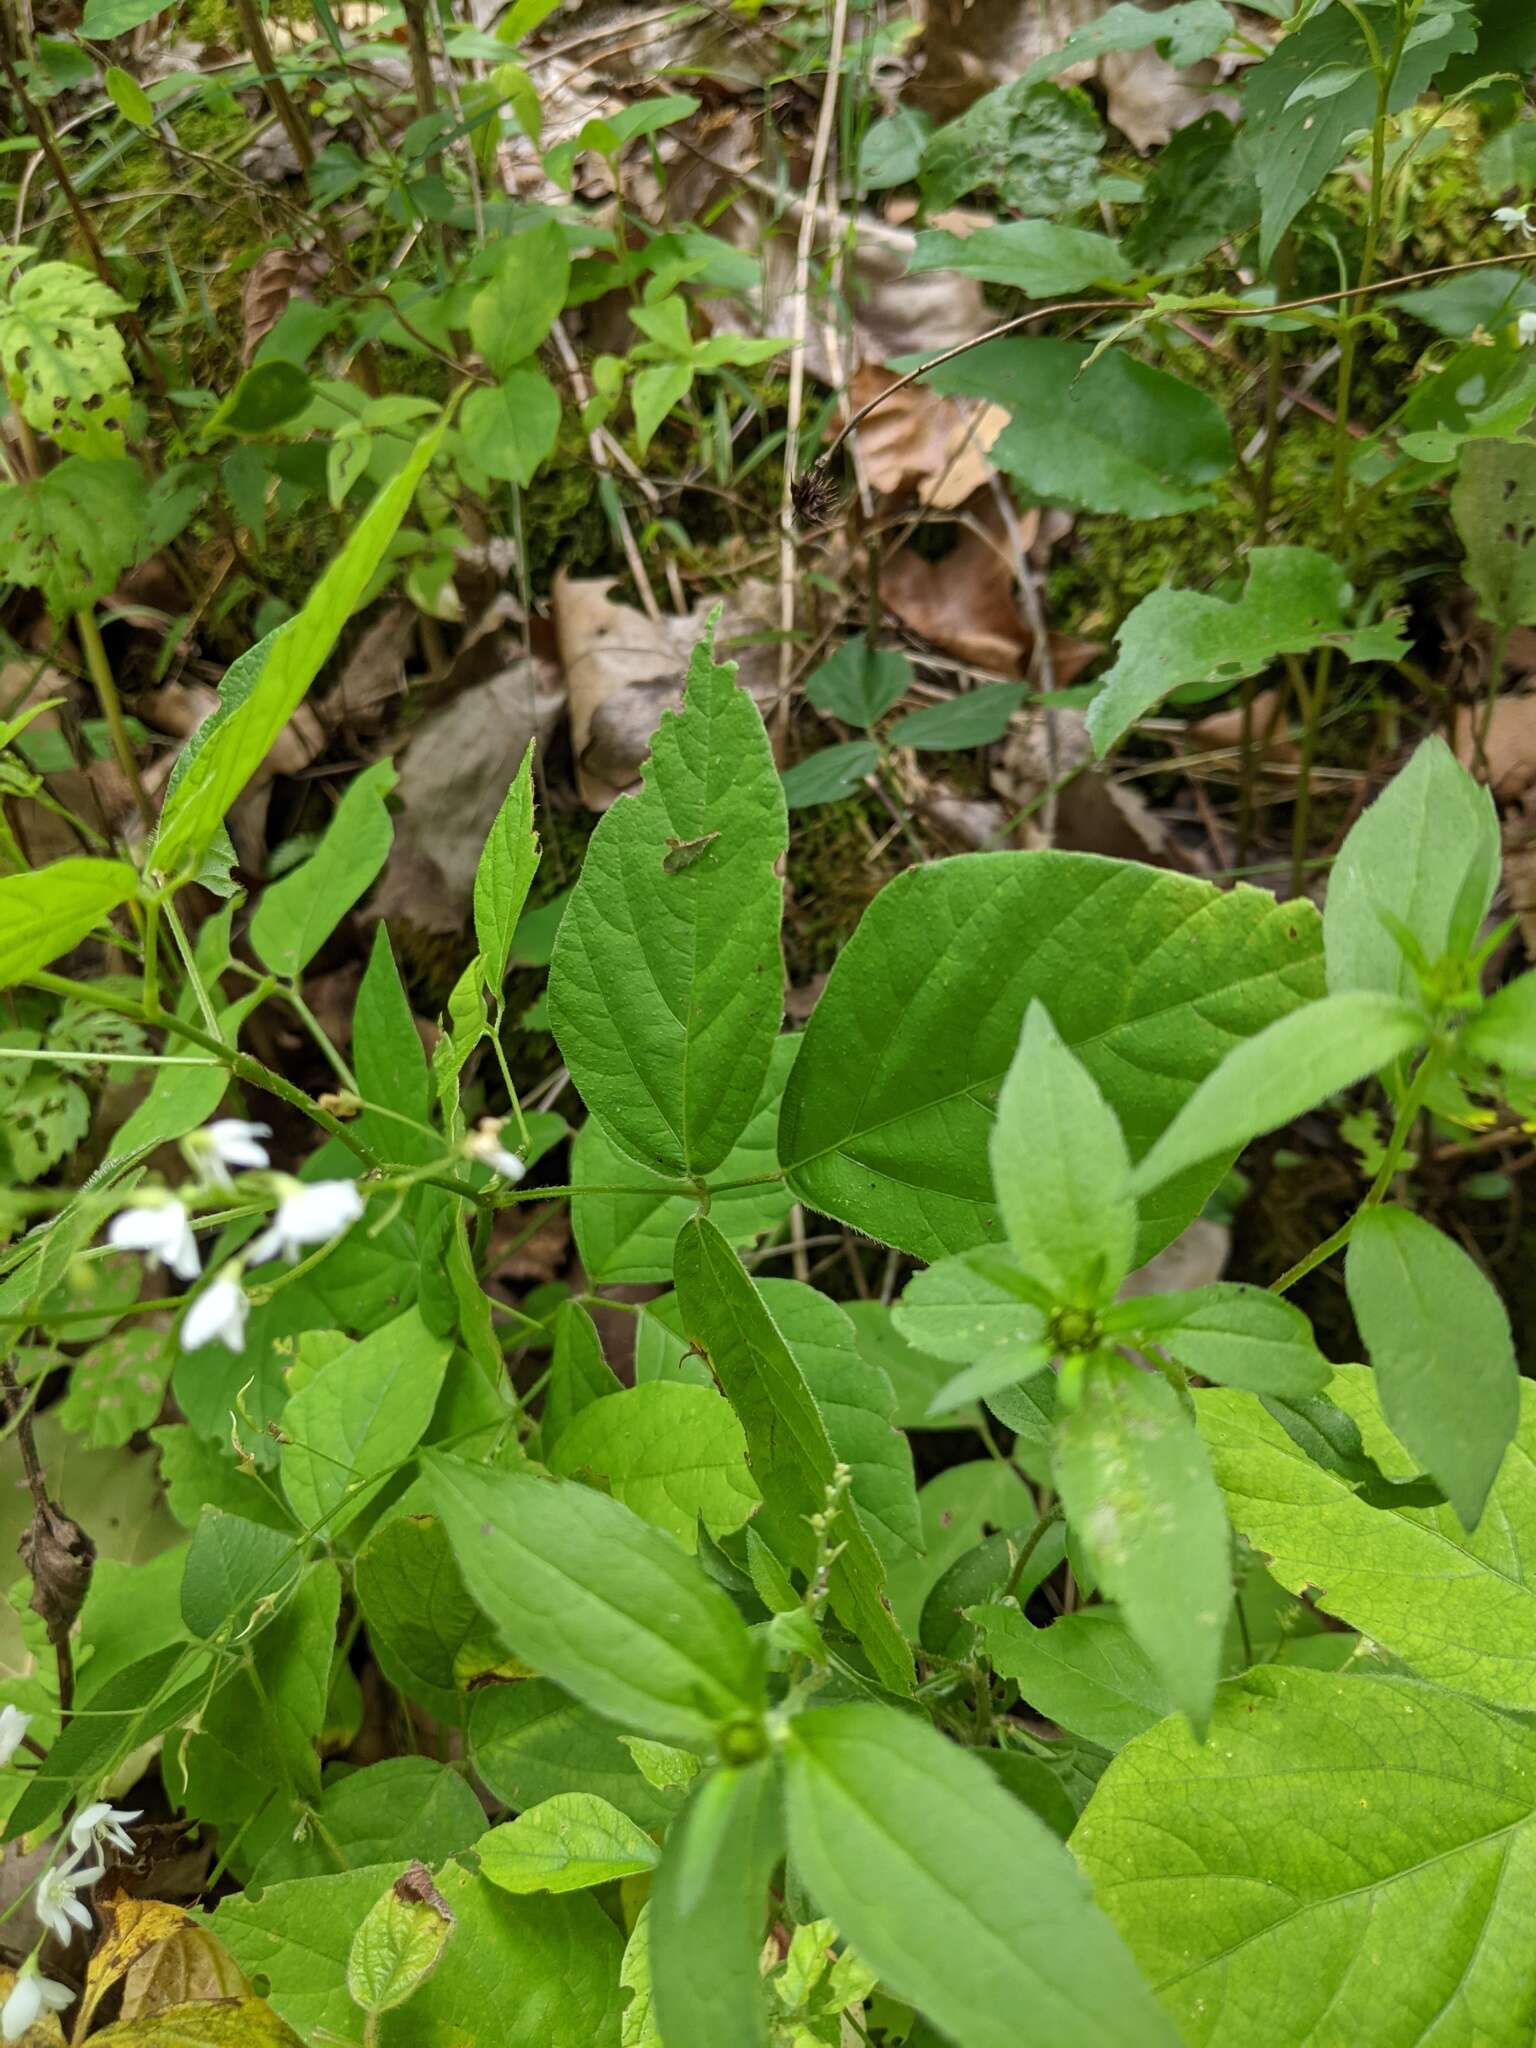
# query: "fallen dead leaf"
{"points": [[1271, 735], [1148, 99], [921, 441], [1520, 869], [968, 46], [962, 603], [1510, 746]]}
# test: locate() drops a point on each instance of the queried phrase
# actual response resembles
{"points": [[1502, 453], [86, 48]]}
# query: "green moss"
{"points": [[832, 879]]}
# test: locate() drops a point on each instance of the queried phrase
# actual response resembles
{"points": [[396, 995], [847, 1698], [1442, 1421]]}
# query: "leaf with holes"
{"points": [[61, 352], [1493, 504]]}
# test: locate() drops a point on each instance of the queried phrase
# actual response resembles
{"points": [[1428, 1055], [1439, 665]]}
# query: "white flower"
{"points": [[31, 1996], [486, 1148], [13, 1726], [56, 1904], [218, 1314], [1525, 329], [227, 1142], [100, 1823], [161, 1231], [308, 1215], [1516, 218]]}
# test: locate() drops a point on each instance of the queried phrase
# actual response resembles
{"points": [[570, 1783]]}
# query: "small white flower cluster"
{"points": [[484, 1146], [159, 1226], [1516, 219], [1525, 329], [58, 1904]]}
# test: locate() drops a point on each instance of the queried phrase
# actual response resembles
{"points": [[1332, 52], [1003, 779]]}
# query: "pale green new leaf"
{"points": [[1503, 1031], [236, 747], [511, 427], [358, 1420], [1459, 1608], [1298, 1062], [1427, 851], [399, 1943], [667, 984], [673, 1453], [565, 1844], [1060, 1171], [1346, 1862], [1439, 1338], [1296, 599], [46, 911], [612, 1609], [61, 354], [71, 532], [709, 1903], [1150, 978], [967, 1308], [1036, 257], [1086, 1672], [654, 392], [1241, 1336], [509, 860], [511, 315], [1108, 436], [969, 1908], [1136, 1483], [788, 1442], [296, 914]]}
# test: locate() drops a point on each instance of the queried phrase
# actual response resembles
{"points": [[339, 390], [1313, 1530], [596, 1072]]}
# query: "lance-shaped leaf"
{"points": [[1060, 1170], [790, 1452], [296, 914], [673, 1453], [1137, 1487], [1503, 1031], [969, 1907], [1150, 978], [1425, 853], [47, 910], [612, 1609], [1439, 1339], [1298, 1062], [509, 860], [1238, 1335], [565, 1844], [1296, 600], [1085, 1672], [667, 984], [1349, 1862], [708, 1906]]}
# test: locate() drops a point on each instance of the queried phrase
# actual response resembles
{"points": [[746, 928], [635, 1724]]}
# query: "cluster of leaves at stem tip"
{"points": [[738, 1730]]}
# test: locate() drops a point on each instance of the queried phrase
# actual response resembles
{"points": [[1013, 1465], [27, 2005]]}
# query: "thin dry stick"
{"points": [[599, 454], [801, 300], [1042, 668]]}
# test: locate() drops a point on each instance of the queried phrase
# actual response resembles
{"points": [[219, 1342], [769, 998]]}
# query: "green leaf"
{"points": [[653, 393], [1494, 506], [511, 427], [105, 20], [404, 1806], [1459, 1608], [787, 1441], [830, 774], [1036, 257], [973, 1308], [46, 911], [62, 357], [1185, 33], [1150, 978], [118, 1387], [967, 1905], [565, 1844], [1295, 600], [513, 314], [1503, 1031], [1326, 1826], [356, 1422], [417, 1610], [531, 1741], [1106, 436], [915, 1375], [129, 97], [1458, 306], [975, 718], [1285, 1070], [1085, 1672], [578, 1375], [1292, 145], [1439, 1338], [1200, 191], [1060, 1171], [673, 1453], [71, 532], [232, 1565], [1137, 1487], [959, 1507], [856, 1401], [891, 149], [1239, 1335], [239, 742], [390, 1061], [509, 860], [399, 1943], [1427, 852], [296, 914], [709, 1902], [667, 988], [267, 395], [1035, 146], [860, 683], [629, 1238], [998, 1374], [609, 1607]]}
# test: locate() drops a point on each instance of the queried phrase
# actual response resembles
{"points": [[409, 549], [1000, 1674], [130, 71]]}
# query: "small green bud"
{"points": [[742, 1741]]}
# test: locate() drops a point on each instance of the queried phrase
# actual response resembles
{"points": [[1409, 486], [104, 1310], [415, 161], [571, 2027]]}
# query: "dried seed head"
{"points": [[814, 496]]}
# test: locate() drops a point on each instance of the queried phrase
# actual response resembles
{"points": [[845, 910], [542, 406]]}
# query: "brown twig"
{"points": [[53, 1547]]}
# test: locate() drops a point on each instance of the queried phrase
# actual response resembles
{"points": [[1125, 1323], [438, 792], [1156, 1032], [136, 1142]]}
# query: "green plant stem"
{"points": [[1048, 1515], [312, 1024], [254, 30], [193, 973], [1496, 657], [105, 685], [1397, 1144]]}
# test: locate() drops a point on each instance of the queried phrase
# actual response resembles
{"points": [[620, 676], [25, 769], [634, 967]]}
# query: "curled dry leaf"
{"points": [[272, 280], [920, 441]]}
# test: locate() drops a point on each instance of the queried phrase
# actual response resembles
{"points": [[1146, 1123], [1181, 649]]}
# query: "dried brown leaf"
{"points": [[918, 440], [963, 603], [1509, 748]]}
